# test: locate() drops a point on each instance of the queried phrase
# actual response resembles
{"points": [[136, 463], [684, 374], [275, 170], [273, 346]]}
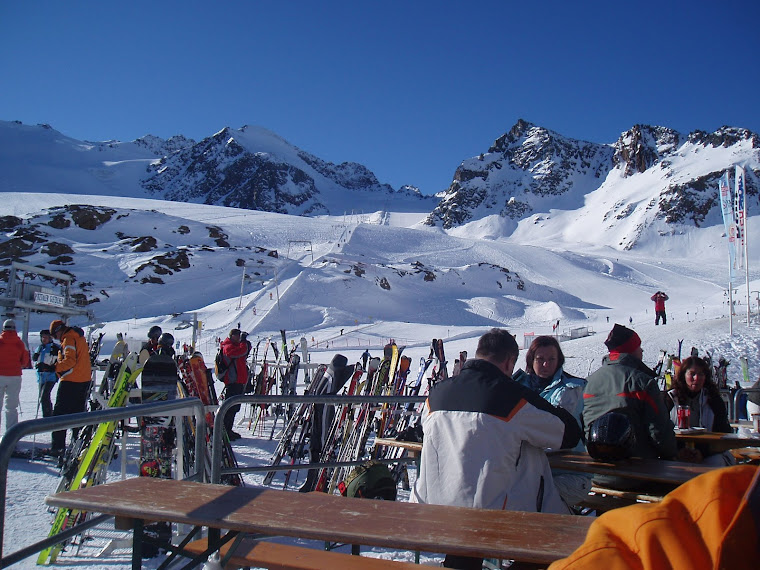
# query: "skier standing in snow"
{"points": [[659, 299], [46, 356], [13, 358], [75, 373], [472, 457], [235, 350], [545, 375]]}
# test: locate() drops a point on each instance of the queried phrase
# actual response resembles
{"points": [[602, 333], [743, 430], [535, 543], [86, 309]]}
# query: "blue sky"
{"points": [[407, 88]]}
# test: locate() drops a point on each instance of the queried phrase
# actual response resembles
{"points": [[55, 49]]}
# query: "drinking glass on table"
{"points": [[683, 414]]}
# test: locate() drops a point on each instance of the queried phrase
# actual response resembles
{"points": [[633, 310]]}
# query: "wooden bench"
{"points": [[275, 556], [513, 535]]}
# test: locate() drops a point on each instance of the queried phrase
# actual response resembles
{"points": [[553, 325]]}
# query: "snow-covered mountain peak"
{"points": [[528, 174]]}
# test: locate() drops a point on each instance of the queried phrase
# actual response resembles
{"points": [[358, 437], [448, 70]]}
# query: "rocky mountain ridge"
{"points": [[531, 170], [667, 177]]}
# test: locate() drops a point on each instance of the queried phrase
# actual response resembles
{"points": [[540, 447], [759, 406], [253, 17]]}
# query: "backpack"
{"points": [[221, 364], [370, 480]]}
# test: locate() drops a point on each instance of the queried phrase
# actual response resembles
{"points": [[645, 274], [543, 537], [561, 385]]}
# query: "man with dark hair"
{"points": [[485, 436], [625, 384]]}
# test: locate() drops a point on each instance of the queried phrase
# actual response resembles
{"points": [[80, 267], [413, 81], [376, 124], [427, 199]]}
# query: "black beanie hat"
{"points": [[622, 339]]}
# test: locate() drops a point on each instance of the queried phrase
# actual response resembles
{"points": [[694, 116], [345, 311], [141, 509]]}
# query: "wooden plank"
{"points": [[656, 470], [717, 442], [629, 495], [412, 446], [276, 556], [529, 537]]}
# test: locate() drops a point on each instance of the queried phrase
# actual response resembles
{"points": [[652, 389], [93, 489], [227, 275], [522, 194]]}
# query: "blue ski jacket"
{"points": [[46, 354]]}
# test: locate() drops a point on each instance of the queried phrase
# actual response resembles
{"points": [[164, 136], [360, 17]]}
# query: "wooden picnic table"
{"points": [[716, 442], [529, 537], [654, 470]]}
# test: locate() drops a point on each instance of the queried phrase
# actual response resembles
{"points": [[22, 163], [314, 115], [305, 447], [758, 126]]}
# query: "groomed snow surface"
{"points": [[331, 293]]}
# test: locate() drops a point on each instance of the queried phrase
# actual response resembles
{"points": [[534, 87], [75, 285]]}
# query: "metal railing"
{"points": [[216, 449], [31, 427], [739, 392]]}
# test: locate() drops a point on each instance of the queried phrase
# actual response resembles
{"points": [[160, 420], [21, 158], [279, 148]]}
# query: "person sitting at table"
{"points": [[485, 436], [711, 521], [694, 387], [544, 374], [625, 384]]}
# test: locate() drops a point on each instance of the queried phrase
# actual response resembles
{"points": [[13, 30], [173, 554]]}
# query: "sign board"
{"points": [[49, 299]]}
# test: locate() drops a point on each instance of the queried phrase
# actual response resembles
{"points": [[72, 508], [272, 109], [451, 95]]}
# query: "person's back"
{"points": [[235, 349], [75, 373], [160, 368], [625, 384], [74, 360], [484, 441], [14, 356]]}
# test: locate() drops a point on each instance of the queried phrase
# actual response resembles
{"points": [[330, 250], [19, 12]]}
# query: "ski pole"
{"points": [[36, 415]]}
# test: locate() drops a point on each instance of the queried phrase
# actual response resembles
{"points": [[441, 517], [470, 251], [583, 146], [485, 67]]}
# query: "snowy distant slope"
{"points": [[249, 168], [41, 159], [155, 260]]}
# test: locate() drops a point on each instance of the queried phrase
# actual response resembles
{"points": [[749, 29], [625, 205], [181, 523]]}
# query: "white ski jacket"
{"points": [[484, 440]]}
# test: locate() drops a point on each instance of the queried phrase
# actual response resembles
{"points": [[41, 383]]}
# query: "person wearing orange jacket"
{"points": [[75, 373], [14, 357], [712, 521]]}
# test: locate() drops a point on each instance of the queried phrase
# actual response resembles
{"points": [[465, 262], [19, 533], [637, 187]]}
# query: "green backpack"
{"points": [[370, 480]]}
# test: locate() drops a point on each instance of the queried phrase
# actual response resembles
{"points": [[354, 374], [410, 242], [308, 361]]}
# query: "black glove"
{"points": [[42, 367]]}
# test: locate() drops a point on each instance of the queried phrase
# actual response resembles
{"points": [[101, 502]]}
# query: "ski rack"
{"points": [[335, 399], [42, 425]]}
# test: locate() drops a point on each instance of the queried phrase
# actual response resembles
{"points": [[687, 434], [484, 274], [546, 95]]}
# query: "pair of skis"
{"points": [[88, 467], [198, 383], [293, 437]]}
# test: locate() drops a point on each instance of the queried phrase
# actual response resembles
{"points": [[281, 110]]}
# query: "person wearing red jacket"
{"points": [[235, 350], [13, 358], [659, 299]]}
